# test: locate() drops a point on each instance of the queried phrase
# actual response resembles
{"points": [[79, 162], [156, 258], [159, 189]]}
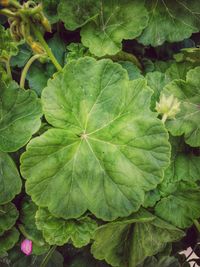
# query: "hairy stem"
{"points": [[48, 256], [46, 47], [26, 68]]}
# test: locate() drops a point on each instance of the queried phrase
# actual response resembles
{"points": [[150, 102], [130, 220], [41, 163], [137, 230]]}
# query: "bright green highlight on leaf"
{"points": [[130, 241], [20, 113], [58, 231], [106, 148]]}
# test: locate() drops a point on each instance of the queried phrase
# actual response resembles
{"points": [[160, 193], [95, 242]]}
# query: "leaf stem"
{"points": [[197, 224], [14, 3], [46, 47], [26, 68], [48, 256], [164, 118]]}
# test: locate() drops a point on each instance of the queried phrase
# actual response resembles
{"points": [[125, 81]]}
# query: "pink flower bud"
{"points": [[26, 247]]}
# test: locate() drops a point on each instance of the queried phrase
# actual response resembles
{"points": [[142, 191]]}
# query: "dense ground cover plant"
{"points": [[99, 133]]}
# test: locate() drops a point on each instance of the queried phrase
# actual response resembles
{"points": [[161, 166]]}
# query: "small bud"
{"points": [[37, 48], [168, 106], [46, 24], [26, 247]]}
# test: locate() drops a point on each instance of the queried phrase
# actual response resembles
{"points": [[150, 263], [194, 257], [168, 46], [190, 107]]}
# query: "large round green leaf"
{"points": [[117, 20], [130, 241], [8, 240], [20, 113], [10, 181], [57, 231], [170, 21], [187, 121], [8, 217], [106, 149]]}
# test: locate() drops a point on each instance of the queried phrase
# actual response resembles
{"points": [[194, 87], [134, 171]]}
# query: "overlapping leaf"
{"points": [[129, 242], [106, 147], [10, 181], [8, 240], [20, 113], [8, 47], [59, 231], [170, 21], [187, 121], [8, 217]]}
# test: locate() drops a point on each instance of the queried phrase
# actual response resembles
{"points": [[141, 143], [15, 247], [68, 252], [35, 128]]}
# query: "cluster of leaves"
{"points": [[91, 171]]}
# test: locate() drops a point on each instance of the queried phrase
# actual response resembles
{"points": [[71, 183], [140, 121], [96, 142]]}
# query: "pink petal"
{"points": [[26, 247]]}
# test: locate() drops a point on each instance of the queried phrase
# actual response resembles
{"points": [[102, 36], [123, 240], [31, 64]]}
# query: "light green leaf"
{"points": [[20, 113], [170, 21], [129, 242], [8, 47], [189, 55], [106, 147], [117, 20], [187, 120], [151, 197], [57, 231], [178, 71], [76, 51], [133, 71], [10, 181], [77, 13], [156, 81], [8, 217], [8, 240], [29, 229], [181, 207]]}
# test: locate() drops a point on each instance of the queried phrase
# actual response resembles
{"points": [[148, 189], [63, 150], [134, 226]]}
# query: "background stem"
{"points": [[48, 256]]}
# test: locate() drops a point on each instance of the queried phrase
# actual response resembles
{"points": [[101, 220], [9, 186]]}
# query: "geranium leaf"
{"points": [[106, 147], [8, 217], [77, 13], [20, 113], [187, 121], [10, 181], [50, 10], [180, 207], [117, 20], [59, 231], [170, 21], [130, 242], [8, 240]]}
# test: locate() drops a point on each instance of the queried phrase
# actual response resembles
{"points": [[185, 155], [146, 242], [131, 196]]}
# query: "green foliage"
{"points": [[100, 153]]}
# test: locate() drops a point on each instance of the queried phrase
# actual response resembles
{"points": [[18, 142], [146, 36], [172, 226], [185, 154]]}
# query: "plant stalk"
{"points": [[164, 118], [26, 68], [48, 256], [46, 47]]}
